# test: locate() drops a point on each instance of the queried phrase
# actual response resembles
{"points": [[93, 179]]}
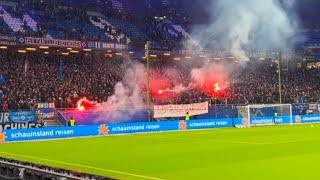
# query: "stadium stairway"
{"points": [[5, 28], [52, 123], [16, 24], [174, 29], [36, 16], [180, 29], [129, 29], [30, 22], [165, 2], [102, 25], [116, 4]]}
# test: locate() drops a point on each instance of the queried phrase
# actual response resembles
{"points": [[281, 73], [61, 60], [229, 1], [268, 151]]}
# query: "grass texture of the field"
{"points": [[276, 152]]}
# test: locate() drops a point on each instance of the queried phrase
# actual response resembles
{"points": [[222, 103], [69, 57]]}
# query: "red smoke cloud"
{"points": [[161, 86], [211, 79], [84, 104]]}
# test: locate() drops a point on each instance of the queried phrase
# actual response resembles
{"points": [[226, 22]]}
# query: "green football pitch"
{"points": [[274, 152]]}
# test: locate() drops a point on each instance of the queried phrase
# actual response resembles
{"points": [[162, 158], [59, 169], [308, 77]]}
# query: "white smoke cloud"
{"points": [[238, 26], [127, 93], [178, 88], [127, 99]]}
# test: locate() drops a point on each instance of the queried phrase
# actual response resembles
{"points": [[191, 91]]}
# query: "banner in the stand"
{"points": [[45, 105], [51, 42], [46, 113], [4, 117], [22, 116], [64, 43], [105, 46], [8, 40], [179, 110], [21, 125]]}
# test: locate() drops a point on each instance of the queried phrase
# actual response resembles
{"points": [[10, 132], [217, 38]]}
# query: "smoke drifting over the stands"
{"points": [[127, 98], [125, 102], [209, 76], [237, 26], [129, 94]]}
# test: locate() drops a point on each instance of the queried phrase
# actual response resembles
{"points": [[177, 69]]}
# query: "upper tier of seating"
{"points": [[55, 19]]}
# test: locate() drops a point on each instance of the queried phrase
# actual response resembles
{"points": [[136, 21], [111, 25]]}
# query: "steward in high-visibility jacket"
{"points": [[187, 117], [72, 122]]}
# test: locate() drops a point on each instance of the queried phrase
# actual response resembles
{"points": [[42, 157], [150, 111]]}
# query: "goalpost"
{"points": [[265, 114]]}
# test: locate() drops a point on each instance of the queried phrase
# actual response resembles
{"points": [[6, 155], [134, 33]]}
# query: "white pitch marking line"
{"points": [[84, 166], [214, 140]]}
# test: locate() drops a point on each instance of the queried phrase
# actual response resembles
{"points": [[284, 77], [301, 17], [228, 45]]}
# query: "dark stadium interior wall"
{"points": [[307, 10], [190, 6], [193, 8]]}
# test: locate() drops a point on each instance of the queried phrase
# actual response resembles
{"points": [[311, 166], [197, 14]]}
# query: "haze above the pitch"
{"points": [[238, 26]]}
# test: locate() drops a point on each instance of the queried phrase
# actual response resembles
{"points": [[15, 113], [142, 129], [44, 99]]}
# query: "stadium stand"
{"points": [[36, 77], [37, 80], [87, 48]]}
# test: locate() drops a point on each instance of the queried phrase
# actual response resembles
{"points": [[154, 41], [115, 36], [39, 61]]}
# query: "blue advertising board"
{"points": [[11, 135], [209, 123], [265, 120], [125, 128], [49, 133], [22, 116], [311, 118]]}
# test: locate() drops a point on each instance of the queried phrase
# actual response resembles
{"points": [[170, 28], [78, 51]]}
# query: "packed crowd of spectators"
{"points": [[33, 78], [27, 79]]}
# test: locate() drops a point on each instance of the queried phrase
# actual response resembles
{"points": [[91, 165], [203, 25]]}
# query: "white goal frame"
{"points": [[246, 121]]}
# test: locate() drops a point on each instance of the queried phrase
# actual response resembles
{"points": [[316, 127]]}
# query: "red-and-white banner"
{"points": [[180, 110]]}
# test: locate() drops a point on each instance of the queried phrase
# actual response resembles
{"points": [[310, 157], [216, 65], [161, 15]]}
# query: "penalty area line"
{"points": [[83, 166]]}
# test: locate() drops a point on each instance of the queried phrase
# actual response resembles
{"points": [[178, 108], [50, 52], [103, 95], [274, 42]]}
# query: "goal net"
{"points": [[265, 114]]}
